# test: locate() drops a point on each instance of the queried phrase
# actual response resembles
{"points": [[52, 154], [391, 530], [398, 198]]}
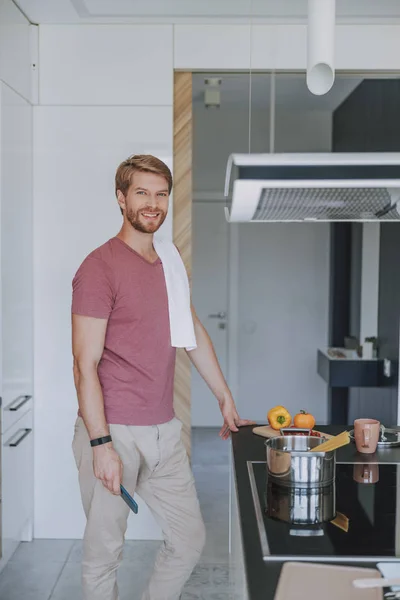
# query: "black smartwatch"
{"points": [[101, 440]]}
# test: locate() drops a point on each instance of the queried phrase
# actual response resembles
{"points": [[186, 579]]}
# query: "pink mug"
{"points": [[366, 434]]}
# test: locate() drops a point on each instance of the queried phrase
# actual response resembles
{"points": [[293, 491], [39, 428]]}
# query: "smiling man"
{"points": [[126, 431]]}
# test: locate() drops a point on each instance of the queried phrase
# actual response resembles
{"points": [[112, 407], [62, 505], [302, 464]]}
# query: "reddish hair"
{"points": [[144, 163]]}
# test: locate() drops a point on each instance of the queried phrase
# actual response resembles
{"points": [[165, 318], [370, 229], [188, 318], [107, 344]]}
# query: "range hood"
{"points": [[313, 187]]}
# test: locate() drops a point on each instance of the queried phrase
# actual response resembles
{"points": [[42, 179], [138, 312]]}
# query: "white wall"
{"points": [[16, 242], [283, 269], [210, 280], [16, 329], [110, 65], [219, 132], [283, 317], [83, 129], [303, 131], [16, 323], [16, 181], [15, 49], [98, 70], [76, 150]]}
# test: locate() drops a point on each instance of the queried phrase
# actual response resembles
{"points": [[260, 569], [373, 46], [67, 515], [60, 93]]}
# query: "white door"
{"points": [[210, 298], [283, 302]]}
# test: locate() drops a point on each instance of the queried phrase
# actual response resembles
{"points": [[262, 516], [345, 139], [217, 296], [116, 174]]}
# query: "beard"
{"points": [[140, 223]]}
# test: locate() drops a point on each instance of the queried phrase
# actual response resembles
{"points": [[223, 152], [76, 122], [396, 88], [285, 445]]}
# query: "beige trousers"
{"points": [[156, 467]]}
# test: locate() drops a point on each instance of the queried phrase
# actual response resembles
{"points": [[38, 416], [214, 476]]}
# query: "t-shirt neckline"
{"points": [[151, 264]]}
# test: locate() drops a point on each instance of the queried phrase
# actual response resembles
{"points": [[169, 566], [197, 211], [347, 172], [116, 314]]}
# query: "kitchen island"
{"points": [[253, 574]]}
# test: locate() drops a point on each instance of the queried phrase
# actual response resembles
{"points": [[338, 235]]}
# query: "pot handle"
{"points": [[291, 430]]}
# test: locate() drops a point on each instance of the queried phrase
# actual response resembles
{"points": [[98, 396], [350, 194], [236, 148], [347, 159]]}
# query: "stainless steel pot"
{"points": [[289, 462], [299, 506]]}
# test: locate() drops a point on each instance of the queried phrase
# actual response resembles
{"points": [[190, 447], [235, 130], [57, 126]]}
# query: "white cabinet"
{"points": [[15, 40], [14, 407], [66, 198], [16, 322], [17, 481], [106, 65]]}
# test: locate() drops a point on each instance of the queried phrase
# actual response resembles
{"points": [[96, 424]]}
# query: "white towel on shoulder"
{"points": [[178, 291]]}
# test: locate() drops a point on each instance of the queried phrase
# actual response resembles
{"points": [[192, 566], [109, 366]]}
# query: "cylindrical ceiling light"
{"points": [[320, 46]]}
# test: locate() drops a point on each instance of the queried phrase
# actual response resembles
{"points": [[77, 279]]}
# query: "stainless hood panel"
{"points": [[313, 187], [325, 204]]}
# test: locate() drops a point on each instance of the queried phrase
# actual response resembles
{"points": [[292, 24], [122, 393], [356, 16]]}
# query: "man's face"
{"points": [[146, 202]]}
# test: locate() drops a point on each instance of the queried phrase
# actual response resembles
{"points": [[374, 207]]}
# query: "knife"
{"points": [[376, 583]]}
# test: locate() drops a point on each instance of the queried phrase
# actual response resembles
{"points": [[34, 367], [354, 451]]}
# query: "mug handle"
{"points": [[367, 437]]}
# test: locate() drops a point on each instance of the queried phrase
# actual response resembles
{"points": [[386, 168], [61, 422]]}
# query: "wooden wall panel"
{"points": [[182, 229]]}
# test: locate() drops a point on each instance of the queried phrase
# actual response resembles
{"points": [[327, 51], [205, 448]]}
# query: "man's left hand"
{"points": [[232, 421]]}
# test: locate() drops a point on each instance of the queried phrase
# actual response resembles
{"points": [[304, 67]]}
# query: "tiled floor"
{"points": [[50, 569]]}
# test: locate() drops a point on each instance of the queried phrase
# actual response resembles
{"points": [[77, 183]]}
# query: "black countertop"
{"points": [[262, 577]]}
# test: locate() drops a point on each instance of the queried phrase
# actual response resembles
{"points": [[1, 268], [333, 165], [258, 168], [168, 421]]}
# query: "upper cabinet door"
{"points": [[109, 65], [15, 49], [16, 245]]}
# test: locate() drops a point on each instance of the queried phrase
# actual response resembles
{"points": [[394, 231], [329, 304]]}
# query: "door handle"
{"points": [[220, 315], [18, 402], [14, 444]]}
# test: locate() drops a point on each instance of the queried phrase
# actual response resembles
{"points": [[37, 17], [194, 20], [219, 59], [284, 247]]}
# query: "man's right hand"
{"points": [[107, 467]]}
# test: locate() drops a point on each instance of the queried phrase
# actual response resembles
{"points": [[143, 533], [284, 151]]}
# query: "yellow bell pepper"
{"points": [[279, 417]]}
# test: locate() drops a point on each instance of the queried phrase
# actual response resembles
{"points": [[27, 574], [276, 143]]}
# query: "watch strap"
{"points": [[101, 440]]}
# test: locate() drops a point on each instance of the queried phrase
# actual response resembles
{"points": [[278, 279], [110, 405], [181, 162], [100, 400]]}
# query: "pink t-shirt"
{"points": [[136, 370]]}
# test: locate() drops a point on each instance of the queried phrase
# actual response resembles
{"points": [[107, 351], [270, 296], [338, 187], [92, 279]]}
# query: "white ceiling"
{"points": [[87, 11], [291, 92]]}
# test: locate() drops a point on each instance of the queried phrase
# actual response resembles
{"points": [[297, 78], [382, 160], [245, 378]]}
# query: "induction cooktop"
{"points": [[297, 525]]}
